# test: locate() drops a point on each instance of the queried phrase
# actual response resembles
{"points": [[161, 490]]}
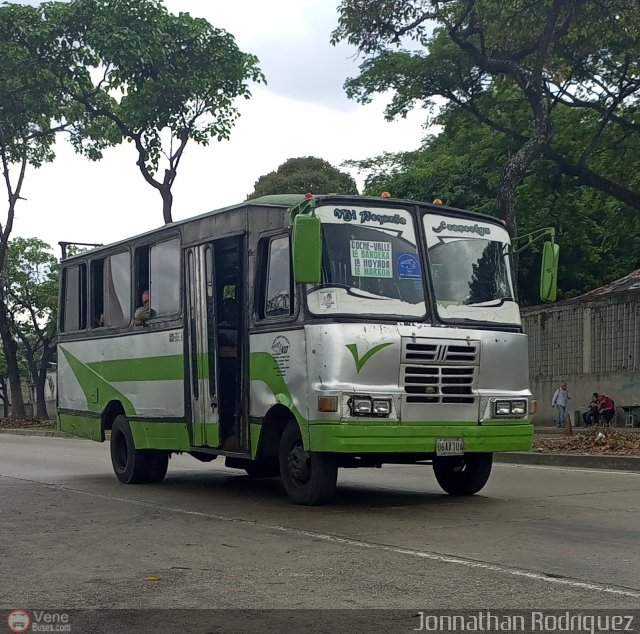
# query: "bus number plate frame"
{"points": [[450, 447]]}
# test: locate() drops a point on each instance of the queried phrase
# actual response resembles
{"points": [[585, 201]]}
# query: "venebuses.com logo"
{"points": [[18, 621], [38, 621]]}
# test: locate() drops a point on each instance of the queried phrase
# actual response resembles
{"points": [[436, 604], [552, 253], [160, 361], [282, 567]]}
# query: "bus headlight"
{"points": [[381, 407], [368, 406], [360, 406], [510, 408]]}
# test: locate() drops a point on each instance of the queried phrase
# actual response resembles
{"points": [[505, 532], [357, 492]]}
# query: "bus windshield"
{"points": [[470, 270], [370, 264]]}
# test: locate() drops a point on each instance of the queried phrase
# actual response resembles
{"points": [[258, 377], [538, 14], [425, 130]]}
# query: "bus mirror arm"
{"points": [[532, 237], [307, 206]]}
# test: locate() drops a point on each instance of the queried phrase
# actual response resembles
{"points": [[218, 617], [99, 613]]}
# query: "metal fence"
{"points": [[578, 338]]}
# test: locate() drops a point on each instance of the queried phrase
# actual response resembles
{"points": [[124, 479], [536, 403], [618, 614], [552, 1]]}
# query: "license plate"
{"points": [[450, 447]]}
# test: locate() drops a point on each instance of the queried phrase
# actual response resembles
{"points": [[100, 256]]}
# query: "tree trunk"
{"points": [[41, 402], [41, 381], [513, 174], [167, 204], [10, 352], [4, 397]]}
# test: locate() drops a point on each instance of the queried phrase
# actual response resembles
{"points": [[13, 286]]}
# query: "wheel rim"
{"points": [[460, 466], [121, 451], [298, 463]]}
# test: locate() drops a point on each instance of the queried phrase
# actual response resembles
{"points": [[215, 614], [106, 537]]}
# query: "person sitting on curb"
{"points": [[606, 409], [590, 417]]}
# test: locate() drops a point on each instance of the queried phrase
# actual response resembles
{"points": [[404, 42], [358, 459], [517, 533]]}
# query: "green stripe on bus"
{"points": [[81, 426], [97, 391], [264, 367], [165, 368]]}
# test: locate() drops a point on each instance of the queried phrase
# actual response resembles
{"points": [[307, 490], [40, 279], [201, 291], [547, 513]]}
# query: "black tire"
{"points": [[309, 477], [131, 465], [463, 475], [159, 463]]}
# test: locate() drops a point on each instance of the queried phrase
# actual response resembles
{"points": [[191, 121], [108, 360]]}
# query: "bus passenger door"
{"points": [[202, 373]]}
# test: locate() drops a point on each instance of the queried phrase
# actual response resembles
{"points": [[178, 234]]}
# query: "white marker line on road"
{"points": [[513, 465], [447, 559]]}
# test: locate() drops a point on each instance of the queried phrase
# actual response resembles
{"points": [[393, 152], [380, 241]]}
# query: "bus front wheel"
{"points": [[131, 465], [309, 477], [463, 475]]}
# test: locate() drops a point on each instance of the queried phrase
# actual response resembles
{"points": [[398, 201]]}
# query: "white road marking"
{"points": [[447, 559], [513, 465]]}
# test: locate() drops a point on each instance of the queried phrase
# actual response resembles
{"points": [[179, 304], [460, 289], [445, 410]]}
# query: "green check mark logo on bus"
{"points": [[360, 361]]}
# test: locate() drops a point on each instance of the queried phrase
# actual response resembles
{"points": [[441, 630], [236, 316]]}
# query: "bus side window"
{"points": [[74, 298], [111, 290], [97, 293], [117, 289], [158, 272], [277, 285]]}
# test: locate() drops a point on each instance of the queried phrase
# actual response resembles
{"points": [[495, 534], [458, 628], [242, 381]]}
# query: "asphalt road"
{"points": [[71, 537]]}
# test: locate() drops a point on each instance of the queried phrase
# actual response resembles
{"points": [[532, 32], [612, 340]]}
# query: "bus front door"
{"points": [[201, 332]]}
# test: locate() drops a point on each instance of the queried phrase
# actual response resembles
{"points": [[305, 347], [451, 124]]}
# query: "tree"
{"points": [[32, 111], [580, 53], [32, 299], [155, 79], [303, 175]]}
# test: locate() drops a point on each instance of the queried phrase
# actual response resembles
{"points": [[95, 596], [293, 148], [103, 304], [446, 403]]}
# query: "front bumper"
{"points": [[357, 438]]}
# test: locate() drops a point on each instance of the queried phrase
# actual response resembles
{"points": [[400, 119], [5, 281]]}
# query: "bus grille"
{"points": [[439, 371], [418, 352]]}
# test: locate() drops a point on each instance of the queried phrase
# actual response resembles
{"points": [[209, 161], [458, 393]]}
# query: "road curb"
{"points": [[618, 463], [51, 433]]}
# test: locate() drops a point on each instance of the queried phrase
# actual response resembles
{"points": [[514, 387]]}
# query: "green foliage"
{"points": [[30, 100], [303, 175], [32, 280]]}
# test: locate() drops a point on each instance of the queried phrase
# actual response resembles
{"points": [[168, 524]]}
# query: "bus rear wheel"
{"points": [[463, 475], [309, 477], [131, 465]]}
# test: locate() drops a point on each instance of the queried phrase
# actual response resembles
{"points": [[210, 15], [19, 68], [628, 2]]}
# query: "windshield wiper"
{"points": [[349, 290], [492, 303]]}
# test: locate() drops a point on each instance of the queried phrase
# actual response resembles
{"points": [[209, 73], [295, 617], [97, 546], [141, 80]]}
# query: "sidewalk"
{"points": [[578, 461], [553, 431]]}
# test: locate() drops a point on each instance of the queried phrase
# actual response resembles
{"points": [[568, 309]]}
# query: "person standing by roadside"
{"points": [[560, 401]]}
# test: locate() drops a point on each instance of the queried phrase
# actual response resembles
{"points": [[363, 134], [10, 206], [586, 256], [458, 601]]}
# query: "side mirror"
{"points": [[549, 272], [307, 249]]}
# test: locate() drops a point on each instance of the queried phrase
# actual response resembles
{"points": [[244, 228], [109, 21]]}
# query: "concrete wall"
{"points": [[592, 346]]}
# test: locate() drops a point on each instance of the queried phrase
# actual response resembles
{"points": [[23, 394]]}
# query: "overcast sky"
{"points": [[302, 111]]}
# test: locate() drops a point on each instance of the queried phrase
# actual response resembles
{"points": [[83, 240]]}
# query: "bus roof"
{"points": [[279, 200]]}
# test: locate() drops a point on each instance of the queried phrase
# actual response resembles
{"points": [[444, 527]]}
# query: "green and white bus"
{"points": [[294, 335]]}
